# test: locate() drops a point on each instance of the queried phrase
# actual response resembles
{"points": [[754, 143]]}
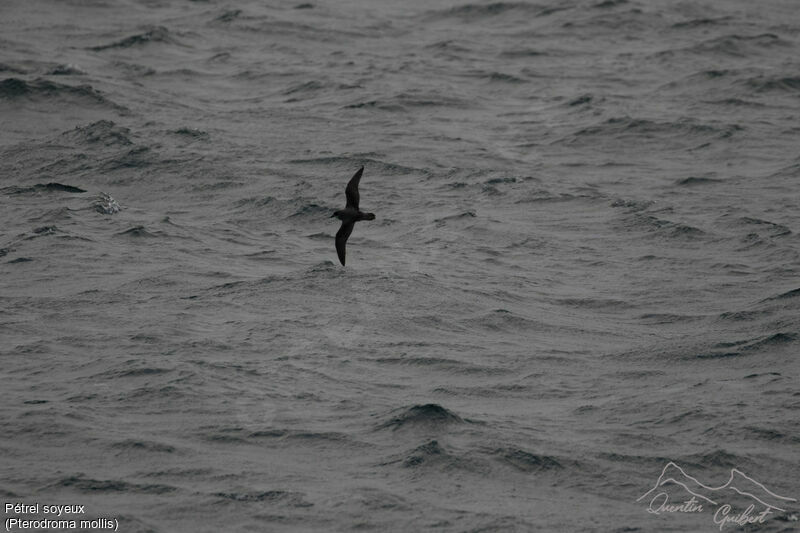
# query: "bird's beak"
{"points": [[333, 215]]}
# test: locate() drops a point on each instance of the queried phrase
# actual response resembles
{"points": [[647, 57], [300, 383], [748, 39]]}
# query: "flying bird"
{"points": [[350, 214]]}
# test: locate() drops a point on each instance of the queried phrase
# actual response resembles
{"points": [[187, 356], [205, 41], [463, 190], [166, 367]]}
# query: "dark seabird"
{"points": [[350, 214]]}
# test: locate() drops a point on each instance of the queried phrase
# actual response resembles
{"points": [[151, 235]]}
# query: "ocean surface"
{"points": [[585, 262]]}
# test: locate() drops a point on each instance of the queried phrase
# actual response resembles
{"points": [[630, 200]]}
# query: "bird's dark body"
{"points": [[353, 215], [350, 214]]}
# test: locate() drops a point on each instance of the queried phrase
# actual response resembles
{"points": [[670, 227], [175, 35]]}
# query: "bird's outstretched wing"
{"points": [[341, 239], [351, 191]]}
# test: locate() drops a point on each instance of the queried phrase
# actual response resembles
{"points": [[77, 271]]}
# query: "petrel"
{"points": [[350, 214]]}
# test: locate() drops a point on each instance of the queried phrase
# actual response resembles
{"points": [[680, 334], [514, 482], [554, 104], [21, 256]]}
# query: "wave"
{"points": [[136, 445], [425, 454], [522, 53], [256, 201], [773, 228], [311, 210], [46, 90], [692, 181], [66, 70], [703, 76], [500, 390], [725, 348], [765, 84], [632, 205], [273, 28], [42, 187], [286, 209], [44, 230], [191, 133], [605, 4], [738, 316], [594, 303], [747, 346], [733, 45], [769, 375], [105, 204], [135, 372], [137, 157], [132, 69], [465, 215], [431, 454], [470, 13], [681, 132], [159, 34], [501, 77], [5, 67], [482, 10], [102, 132], [789, 171], [427, 416], [501, 320], [55, 214], [527, 462], [290, 498], [309, 437], [739, 45], [402, 102], [96, 486], [735, 102], [664, 228], [450, 46], [714, 459], [772, 435], [629, 20], [721, 86], [229, 15], [496, 181], [583, 100], [770, 341], [305, 87], [791, 294], [137, 232], [438, 363], [700, 23]]}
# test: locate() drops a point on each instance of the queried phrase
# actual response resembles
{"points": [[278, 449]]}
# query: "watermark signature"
{"points": [[678, 492]]}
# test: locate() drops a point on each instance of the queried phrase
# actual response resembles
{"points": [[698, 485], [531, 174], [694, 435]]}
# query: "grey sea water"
{"points": [[584, 264]]}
